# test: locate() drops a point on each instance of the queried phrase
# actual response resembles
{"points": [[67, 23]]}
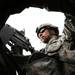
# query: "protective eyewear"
{"points": [[42, 30]]}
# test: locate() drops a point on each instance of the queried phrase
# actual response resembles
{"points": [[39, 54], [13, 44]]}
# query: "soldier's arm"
{"points": [[69, 32]]}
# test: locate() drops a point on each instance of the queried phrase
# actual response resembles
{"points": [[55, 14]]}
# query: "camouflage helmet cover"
{"points": [[47, 25]]}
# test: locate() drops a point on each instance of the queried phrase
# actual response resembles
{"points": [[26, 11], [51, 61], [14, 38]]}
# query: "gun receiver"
{"points": [[12, 36]]}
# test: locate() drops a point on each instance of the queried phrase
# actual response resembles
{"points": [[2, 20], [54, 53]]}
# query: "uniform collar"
{"points": [[53, 39]]}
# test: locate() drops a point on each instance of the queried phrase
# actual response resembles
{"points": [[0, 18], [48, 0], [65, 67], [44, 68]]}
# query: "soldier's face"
{"points": [[44, 35]]}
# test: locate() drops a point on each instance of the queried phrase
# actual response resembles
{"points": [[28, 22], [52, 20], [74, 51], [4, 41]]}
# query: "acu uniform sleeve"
{"points": [[69, 31]]}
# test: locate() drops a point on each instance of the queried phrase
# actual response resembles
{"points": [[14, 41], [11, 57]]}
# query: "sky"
{"points": [[32, 17]]}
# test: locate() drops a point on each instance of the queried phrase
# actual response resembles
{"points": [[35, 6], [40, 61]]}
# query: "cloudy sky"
{"points": [[32, 17]]}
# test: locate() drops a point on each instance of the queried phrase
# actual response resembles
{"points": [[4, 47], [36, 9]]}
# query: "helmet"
{"points": [[48, 26]]}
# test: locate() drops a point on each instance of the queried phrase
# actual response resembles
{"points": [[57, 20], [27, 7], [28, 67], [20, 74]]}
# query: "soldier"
{"points": [[58, 57], [62, 45]]}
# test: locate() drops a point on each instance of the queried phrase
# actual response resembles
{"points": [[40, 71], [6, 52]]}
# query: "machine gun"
{"points": [[13, 37]]}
